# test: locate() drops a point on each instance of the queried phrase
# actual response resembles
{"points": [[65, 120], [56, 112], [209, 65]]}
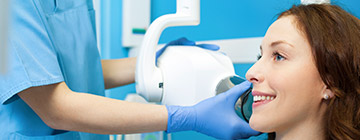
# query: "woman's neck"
{"points": [[310, 128], [307, 133]]}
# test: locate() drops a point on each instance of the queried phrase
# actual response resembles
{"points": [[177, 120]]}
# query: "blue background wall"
{"points": [[219, 20]]}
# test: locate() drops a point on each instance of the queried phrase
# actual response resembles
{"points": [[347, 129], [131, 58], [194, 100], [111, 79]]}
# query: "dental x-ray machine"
{"points": [[185, 75]]}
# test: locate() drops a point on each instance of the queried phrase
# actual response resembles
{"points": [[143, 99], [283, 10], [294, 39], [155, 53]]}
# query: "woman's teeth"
{"points": [[259, 98]]}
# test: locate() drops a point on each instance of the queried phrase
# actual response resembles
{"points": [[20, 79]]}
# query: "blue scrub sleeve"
{"points": [[32, 59]]}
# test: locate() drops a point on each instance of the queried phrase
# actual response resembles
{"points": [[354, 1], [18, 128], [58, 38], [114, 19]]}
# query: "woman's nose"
{"points": [[255, 74]]}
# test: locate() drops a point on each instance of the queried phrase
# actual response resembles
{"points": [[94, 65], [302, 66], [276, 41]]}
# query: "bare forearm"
{"points": [[61, 108], [119, 72], [102, 115]]}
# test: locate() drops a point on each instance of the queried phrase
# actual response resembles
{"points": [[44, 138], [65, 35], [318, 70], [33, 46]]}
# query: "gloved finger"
{"points": [[212, 47], [245, 131], [235, 92], [159, 52], [181, 41]]}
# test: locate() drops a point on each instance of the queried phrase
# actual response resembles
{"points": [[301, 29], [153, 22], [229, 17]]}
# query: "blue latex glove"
{"points": [[185, 42], [215, 116]]}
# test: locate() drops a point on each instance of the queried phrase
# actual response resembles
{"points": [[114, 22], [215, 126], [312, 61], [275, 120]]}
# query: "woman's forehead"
{"points": [[285, 30]]}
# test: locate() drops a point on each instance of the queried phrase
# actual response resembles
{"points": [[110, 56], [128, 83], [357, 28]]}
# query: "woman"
{"points": [[306, 81]]}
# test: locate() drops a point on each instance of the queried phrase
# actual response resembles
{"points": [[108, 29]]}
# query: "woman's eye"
{"points": [[278, 57], [258, 56]]}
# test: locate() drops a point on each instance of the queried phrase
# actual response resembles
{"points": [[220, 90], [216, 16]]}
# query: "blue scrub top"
{"points": [[50, 41]]}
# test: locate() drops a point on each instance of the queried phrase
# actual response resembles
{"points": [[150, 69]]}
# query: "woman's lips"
{"points": [[261, 98]]}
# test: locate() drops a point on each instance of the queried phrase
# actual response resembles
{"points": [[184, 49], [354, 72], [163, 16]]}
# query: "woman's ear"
{"points": [[327, 93]]}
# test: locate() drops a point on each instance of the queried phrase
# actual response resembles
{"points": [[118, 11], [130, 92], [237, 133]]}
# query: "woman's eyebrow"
{"points": [[275, 43]]}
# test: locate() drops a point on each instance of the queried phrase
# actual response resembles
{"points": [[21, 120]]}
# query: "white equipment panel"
{"points": [[136, 20]]}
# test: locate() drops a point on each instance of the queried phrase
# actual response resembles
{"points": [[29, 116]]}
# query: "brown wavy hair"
{"points": [[334, 37]]}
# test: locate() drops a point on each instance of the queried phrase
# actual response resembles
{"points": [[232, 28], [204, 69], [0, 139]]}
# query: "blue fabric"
{"points": [[50, 41]]}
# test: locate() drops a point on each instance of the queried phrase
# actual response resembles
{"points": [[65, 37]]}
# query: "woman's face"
{"points": [[288, 79]]}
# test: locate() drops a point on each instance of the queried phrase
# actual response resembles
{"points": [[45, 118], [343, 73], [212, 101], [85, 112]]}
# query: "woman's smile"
{"points": [[261, 98]]}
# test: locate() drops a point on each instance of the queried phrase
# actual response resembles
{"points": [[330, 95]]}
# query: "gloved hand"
{"points": [[215, 116], [185, 42]]}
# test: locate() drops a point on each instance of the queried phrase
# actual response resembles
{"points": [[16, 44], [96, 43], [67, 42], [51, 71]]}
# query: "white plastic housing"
{"points": [[191, 74], [148, 76]]}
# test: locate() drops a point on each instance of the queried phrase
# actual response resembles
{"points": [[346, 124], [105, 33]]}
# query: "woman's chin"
{"points": [[260, 125]]}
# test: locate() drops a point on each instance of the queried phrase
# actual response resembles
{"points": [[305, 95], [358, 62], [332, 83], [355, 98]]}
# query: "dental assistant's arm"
{"points": [[61, 108], [118, 72]]}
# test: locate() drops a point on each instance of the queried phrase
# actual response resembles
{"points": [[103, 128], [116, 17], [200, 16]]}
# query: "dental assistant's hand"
{"points": [[215, 116], [185, 42]]}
